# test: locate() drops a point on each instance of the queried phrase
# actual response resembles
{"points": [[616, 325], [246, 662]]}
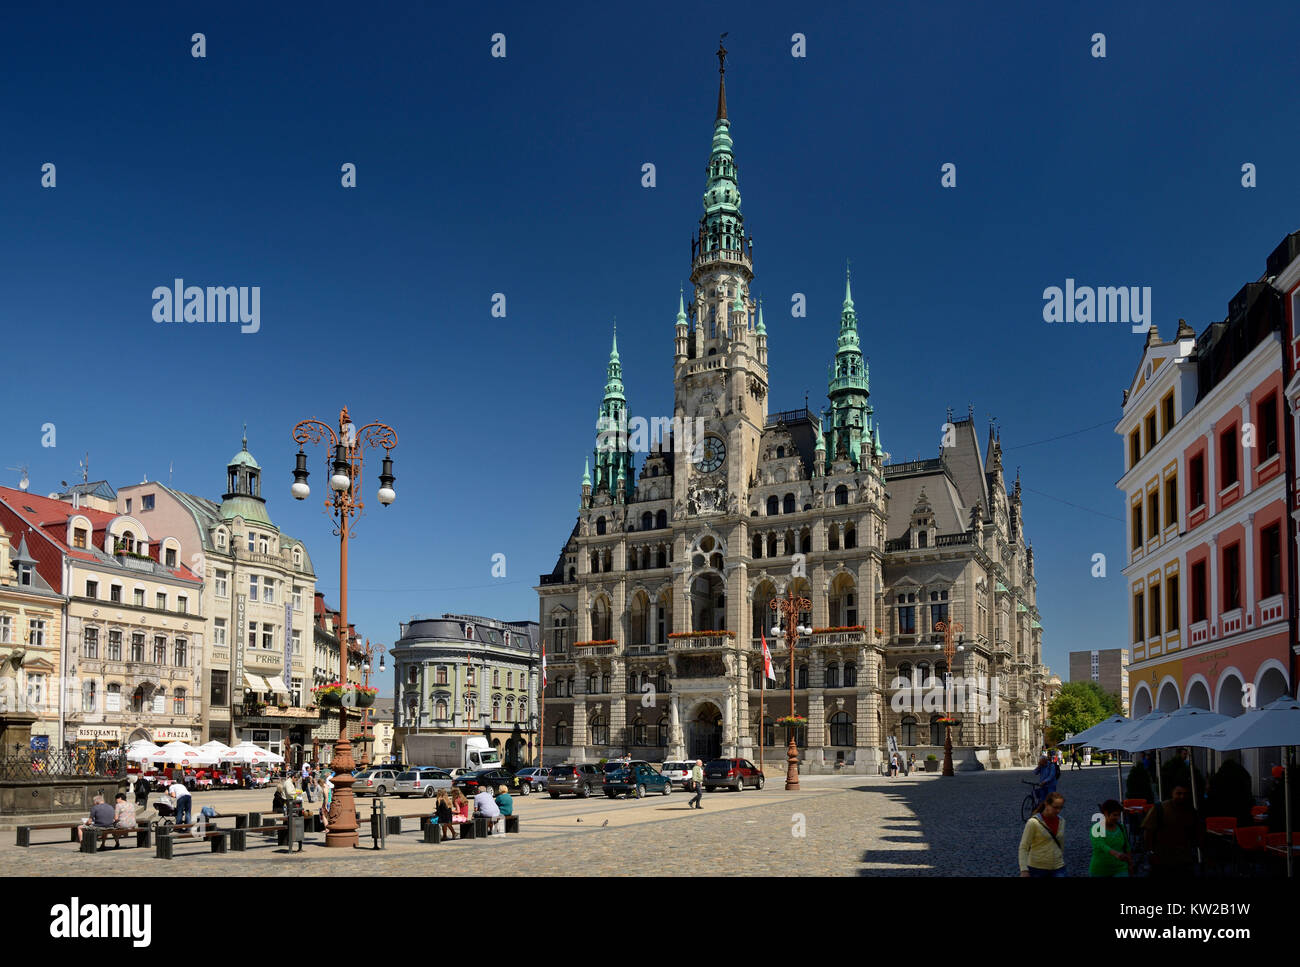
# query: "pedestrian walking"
{"points": [[1076, 761], [1042, 844], [1112, 854], [141, 792], [697, 783], [893, 764], [1173, 832], [911, 763]]}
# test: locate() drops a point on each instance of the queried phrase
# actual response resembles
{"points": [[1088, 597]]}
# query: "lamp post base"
{"points": [[792, 767], [947, 751], [343, 809]]}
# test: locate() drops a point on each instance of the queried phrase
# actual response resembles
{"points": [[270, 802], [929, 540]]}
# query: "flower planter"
{"points": [[329, 699], [365, 699], [931, 765]]}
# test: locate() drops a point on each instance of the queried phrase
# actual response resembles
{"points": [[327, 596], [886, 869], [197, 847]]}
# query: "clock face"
{"points": [[710, 454]]}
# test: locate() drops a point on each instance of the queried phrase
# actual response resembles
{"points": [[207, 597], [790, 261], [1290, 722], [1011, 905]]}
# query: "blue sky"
{"points": [[522, 176]]}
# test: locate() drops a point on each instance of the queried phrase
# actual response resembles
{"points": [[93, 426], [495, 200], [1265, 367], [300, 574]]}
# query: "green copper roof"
{"points": [[249, 508], [848, 290], [1021, 609], [1036, 626], [243, 459], [586, 472], [681, 308], [760, 328], [1002, 589]]}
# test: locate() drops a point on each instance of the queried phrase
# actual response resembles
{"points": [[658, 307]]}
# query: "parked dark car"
{"points": [[471, 782], [639, 779], [578, 779], [732, 773]]}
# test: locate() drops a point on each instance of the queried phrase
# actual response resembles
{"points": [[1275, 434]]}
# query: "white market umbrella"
{"points": [[218, 749], [1276, 724], [181, 754], [141, 750], [251, 754], [1087, 736]]}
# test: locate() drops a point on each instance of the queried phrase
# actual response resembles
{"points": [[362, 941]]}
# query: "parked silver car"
{"points": [[421, 782], [678, 772], [375, 782]]}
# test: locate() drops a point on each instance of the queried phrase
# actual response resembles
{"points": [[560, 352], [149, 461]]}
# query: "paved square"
{"points": [[925, 825]]}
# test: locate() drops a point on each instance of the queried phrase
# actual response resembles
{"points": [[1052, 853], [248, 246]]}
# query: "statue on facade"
{"points": [[9, 693]]}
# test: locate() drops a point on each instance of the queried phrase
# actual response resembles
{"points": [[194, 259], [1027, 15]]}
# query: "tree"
{"points": [[1079, 706]]}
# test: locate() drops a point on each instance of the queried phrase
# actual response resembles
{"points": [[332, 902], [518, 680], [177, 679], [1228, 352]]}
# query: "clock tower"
{"points": [[720, 371]]}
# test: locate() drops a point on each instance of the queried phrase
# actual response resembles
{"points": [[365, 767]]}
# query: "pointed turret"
{"points": [[613, 458], [682, 327], [848, 388]]}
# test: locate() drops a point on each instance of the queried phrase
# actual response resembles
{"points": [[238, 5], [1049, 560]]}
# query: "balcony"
{"points": [[716, 256], [839, 638], [702, 641], [1232, 622], [266, 560], [643, 651], [593, 649], [1272, 609]]}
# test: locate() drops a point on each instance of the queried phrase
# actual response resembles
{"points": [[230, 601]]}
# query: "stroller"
{"points": [[166, 813]]}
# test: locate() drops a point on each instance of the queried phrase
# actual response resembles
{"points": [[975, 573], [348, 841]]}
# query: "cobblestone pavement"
{"points": [[924, 825]]}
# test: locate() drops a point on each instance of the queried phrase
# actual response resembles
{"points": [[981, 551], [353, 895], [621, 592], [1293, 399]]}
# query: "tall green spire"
{"points": [[722, 227], [681, 307], [848, 388], [586, 472], [613, 457], [760, 328]]}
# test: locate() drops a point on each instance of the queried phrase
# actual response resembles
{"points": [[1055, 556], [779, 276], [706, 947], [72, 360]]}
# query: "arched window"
{"points": [[471, 710], [833, 537], [788, 505], [833, 677], [769, 732], [663, 729], [805, 543], [561, 733], [88, 696], [905, 674], [440, 709], [850, 537], [113, 701], [802, 680], [923, 674], [922, 539], [604, 683], [137, 699], [756, 678], [600, 525], [647, 521], [661, 520], [841, 729], [638, 731], [758, 545], [595, 563], [599, 730], [841, 495], [591, 684], [780, 452], [510, 709], [908, 728], [850, 675], [496, 709], [178, 702]]}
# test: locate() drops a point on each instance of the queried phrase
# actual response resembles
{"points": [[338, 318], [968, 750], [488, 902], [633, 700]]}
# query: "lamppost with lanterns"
{"points": [[951, 630], [367, 737], [789, 608], [347, 444]]}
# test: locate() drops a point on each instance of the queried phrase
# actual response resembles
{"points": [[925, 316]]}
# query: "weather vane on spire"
{"points": [[722, 53]]}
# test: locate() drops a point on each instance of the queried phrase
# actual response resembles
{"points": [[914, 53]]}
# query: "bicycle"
{"points": [[1031, 800]]}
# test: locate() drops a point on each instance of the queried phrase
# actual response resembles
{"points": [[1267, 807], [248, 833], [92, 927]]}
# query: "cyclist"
{"points": [[1046, 774]]}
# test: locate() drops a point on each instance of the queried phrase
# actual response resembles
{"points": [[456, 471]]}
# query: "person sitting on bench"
{"points": [[101, 816], [486, 806], [123, 813], [459, 807], [442, 811]]}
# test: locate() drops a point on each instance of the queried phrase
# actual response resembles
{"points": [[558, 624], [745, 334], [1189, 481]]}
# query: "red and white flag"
{"points": [[767, 659], [543, 666]]}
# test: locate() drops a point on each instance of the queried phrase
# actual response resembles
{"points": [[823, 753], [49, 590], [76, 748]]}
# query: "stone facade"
{"points": [[653, 615]]}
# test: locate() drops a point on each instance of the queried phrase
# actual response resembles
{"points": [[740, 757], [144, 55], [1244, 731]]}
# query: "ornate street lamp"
{"points": [[950, 649], [344, 502], [789, 608]]}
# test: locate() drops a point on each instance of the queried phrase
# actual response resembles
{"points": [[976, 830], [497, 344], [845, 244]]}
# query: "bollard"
{"points": [[254, 819], [90, 842], [164, 846], [395, 825], [241, 821], [432, 833], [467, 830], [238, 839], [144, 837], [480, 826], [220, 842], [379, 824], [512, 824]]}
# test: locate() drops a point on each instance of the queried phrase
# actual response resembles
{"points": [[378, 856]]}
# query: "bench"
{"points": [[25, 832], [165, 848], [239, 836], [92, 841]]}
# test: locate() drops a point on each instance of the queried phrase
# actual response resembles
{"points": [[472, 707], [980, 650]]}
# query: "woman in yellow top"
{"points": [[1042, 844]]}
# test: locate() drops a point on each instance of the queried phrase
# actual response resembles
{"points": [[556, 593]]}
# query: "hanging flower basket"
{"points": [[792, 722], [331, 695], [702, 634], [820, 631]]}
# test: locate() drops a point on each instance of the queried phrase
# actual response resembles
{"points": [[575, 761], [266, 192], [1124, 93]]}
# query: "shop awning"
{"points": [[278, 686], [256, 682]]}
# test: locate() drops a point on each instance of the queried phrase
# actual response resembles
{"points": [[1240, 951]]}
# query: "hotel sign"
{"points": [[240, 609]]}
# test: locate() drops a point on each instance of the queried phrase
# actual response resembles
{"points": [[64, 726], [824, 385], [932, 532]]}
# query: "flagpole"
{"points": [[762, 691], [541, 722]]}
